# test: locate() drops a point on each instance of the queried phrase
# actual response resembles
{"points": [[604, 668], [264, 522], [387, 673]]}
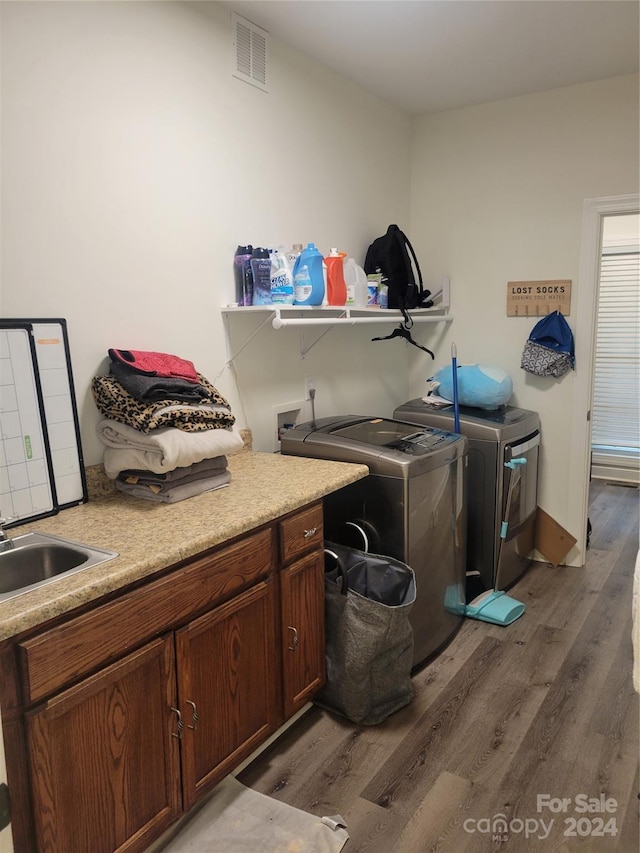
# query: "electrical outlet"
{"points": [[309, 382]]}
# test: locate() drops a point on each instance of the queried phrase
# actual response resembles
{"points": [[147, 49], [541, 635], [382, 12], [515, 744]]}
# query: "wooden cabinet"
{"points": [[103, 762], [302, 608], [303, 654], [134, 709], [227, 687]]}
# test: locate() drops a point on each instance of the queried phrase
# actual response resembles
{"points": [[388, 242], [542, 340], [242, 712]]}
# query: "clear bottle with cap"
{"points": [[336, 286], [293, 254]]}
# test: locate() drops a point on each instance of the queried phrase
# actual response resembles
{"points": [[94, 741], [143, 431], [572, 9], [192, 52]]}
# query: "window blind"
{"points": [[616, 399]]}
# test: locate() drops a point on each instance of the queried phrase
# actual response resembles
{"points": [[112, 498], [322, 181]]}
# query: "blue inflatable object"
{"points": [[479, 386]]}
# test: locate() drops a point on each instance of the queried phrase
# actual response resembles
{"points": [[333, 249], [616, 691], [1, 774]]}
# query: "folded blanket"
{"points": [[173, 492], [115, 403], [163, 449], [186, 473], [151, 389]]}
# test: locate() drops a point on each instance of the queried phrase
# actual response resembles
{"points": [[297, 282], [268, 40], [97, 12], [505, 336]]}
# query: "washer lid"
{"points": [[394, 435], [389, 448], [503, 424]]}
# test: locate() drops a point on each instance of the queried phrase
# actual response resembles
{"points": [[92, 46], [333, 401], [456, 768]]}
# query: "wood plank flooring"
{"points": [[503, 716]]}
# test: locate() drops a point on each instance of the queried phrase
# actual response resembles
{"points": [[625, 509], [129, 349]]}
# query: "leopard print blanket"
{"points": [[119, 405]]}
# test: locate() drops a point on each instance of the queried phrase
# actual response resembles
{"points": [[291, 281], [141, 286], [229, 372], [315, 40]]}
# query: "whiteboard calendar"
{"points": [[41, 468]]}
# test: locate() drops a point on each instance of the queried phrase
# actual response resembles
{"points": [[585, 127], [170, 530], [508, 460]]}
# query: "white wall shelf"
{"points": [[326, 315], [283, 316]]}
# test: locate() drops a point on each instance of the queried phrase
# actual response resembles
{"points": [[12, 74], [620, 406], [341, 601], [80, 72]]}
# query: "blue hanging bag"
{"points": [[549, 351]]}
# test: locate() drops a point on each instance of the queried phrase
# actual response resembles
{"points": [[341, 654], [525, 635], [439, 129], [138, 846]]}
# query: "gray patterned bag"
{"points": [[549, 351], [543, 361]]}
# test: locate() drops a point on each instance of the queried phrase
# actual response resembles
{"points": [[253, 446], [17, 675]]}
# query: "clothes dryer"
{"points": [[412, 506], [495, 437]]}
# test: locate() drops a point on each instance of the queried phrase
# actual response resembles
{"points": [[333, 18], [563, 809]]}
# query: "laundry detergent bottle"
{"points": [[356, 280], [261, 269], [281, 279], [336, 286], [308, 280], [243, 275]]}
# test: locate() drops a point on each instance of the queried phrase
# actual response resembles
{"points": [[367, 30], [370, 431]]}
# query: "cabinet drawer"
{"points": [[65, 653], [301, 532]]}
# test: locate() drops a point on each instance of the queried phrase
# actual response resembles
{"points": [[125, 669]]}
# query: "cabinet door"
{"points": [[104, 765], [228, 686], [302, 614]]}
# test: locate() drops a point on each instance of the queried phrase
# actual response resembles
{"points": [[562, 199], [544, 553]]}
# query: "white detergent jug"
{"points": [[355, 279]]}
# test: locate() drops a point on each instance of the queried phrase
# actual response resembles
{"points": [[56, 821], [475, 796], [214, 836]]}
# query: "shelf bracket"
{"points": [[305, 350], [231, 357]]}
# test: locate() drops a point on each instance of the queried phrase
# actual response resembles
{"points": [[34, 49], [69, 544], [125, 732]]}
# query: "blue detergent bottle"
{"points": [[308, 280]]}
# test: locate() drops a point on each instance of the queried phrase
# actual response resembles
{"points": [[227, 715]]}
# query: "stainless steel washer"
{"points": [[495, 437], [412, 506]]}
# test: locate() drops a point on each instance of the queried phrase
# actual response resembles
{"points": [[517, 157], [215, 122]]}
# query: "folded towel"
{"points": [[163, 449], [173, 493], [117, 404], [186, 473], [152, 389], [155, 363]]}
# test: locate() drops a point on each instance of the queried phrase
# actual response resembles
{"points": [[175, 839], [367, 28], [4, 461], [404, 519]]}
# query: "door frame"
{"points": [[593, 213]]}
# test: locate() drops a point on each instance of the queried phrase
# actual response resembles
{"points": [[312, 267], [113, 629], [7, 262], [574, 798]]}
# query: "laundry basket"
{"points": [[369, 640]]}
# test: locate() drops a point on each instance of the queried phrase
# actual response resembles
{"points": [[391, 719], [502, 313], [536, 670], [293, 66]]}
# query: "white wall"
{"points": [[133, 163], [497, 196]]}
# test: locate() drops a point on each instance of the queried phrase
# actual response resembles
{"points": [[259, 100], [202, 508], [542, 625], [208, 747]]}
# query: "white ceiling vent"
{"points": [[250, 45]]}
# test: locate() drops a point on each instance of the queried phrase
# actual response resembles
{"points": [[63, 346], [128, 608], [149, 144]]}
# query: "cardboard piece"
{"points": [[552, 540]]}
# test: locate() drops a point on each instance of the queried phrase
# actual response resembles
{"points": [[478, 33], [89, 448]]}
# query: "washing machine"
{"points": [[411, 506], [495, 437]]}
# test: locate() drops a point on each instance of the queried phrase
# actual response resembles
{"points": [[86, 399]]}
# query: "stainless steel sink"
{"points": [[36, 559]]}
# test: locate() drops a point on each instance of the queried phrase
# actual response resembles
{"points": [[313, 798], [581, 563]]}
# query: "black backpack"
{"points": [[390, 254]]}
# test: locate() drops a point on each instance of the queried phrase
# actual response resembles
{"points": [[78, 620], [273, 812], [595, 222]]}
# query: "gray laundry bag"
{"points": [[369, 640]]}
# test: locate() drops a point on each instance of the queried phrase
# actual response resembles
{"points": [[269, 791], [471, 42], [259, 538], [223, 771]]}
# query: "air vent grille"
{"points": [[250, 44]]}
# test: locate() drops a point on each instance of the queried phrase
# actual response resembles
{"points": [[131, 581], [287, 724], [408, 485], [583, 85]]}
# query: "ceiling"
{"points": [[431, 55]]}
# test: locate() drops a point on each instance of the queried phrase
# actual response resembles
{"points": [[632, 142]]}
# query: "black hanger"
{"points": [[403, 332]]}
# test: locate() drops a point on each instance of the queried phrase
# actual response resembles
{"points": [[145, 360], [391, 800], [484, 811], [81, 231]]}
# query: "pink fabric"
{"points": [[156, 363]]}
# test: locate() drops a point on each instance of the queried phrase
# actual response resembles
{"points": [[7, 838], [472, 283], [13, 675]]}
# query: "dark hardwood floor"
{"points": [[536, 722]]}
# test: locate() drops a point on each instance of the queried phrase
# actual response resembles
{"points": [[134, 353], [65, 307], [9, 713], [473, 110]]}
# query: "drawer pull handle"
{"points": [[294, 639], [180, 725], [194, 715], [311, 532]]}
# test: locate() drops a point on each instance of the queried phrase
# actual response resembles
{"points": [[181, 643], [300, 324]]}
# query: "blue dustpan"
{"points": [[494, 606]]}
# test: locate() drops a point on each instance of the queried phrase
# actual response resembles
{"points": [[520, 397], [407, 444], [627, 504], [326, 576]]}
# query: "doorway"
{"points": [[615, 434], [594, 212]]}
